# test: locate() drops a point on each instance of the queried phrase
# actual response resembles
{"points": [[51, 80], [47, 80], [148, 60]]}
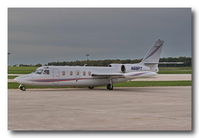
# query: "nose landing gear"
{"points": [[109, 86], [22, 87]]}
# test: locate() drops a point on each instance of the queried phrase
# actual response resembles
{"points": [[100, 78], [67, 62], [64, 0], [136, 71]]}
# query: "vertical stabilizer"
{"points": [[151, 59]]}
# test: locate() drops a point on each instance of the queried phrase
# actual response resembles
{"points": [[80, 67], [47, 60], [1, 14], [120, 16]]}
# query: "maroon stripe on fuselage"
{"points": [[57, 80]]}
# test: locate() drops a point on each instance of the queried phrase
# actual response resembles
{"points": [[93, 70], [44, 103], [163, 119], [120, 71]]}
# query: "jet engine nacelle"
{"points": [[125, 68], [119, 67]]}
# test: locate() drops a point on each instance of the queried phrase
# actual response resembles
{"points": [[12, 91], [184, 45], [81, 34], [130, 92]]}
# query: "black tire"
{"points": [[109, 86], [90, 87], [22, 88]]}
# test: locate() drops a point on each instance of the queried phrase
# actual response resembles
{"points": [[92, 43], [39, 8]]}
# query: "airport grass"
{"points": [[11, 77], [175, 70], [14, 85], [21, 70], [162, 70]]}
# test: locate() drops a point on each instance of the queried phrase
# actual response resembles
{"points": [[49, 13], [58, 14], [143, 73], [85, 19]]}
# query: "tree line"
{"points": [[186, 61]]}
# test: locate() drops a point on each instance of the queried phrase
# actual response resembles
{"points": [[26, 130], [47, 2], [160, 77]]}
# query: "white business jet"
{"points": [[90, 76]]}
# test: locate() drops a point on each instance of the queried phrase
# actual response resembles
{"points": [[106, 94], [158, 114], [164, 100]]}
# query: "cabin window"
{"points": [[63, 73], [84, 73], [89, 73], [71, 73], [77, 72]]}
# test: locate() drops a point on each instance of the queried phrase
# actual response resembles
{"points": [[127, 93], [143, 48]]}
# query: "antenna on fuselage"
{"points": [[87, 55], [9, 53]]}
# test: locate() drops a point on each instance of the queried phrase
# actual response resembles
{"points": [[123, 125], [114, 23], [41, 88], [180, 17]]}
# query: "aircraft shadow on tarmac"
{"points": [[116, 90]]}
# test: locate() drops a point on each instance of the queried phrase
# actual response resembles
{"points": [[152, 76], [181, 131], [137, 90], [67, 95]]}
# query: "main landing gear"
{"points": [[90, 87], [22, 87], [109, 86]]}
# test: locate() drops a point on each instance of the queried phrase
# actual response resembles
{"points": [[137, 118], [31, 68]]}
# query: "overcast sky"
{"points": [[46, 35]]}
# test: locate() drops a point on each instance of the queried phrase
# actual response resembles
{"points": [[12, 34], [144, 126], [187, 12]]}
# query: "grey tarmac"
{"points": [[128, 109]]}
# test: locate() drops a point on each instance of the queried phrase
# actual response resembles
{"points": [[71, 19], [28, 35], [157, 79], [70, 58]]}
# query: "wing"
{"points": [[108, 75], [130, 75]]}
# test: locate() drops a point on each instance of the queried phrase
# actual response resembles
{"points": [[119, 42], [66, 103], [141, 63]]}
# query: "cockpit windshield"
{"points": [[39, 71], [42, 71]]}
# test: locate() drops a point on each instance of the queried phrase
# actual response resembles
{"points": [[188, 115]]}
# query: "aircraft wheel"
{"points": [[109, 86], [21, 87], [90, 87]]}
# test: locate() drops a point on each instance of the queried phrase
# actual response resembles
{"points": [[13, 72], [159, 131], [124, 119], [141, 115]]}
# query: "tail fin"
{"points": [[151, 59]]}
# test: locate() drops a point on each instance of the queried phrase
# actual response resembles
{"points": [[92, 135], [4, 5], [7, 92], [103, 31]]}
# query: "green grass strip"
{"points": [[175, 70], [11, 77], [21, 70], [14, 85]]}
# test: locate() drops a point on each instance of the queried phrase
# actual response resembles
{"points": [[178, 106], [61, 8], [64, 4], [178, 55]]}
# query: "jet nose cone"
{"points": [[17, 79], [23, 79], [20, 79]]}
